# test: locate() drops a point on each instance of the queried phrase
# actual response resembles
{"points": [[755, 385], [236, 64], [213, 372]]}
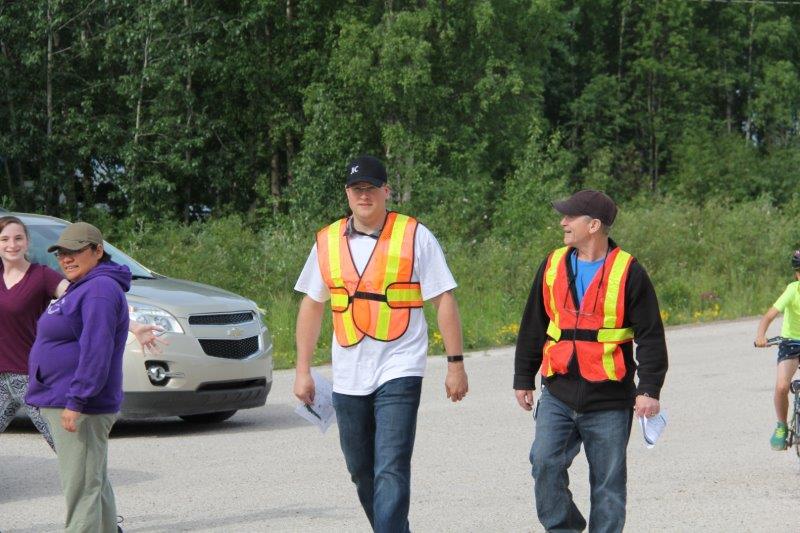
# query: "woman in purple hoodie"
{"points": [[25, 290], [75, 373]]}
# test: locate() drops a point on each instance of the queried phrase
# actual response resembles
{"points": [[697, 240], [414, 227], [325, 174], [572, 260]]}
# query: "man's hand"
{"points": [[304, 387], [646, 406], [525, 398], [455, 383], [69, 420]]}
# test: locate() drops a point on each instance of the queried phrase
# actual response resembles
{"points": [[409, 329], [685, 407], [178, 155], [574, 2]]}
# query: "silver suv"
{"points": [[219, 357]]}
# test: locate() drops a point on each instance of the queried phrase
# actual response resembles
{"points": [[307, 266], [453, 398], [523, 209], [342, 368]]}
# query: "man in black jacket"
{"points": [[589, 301]]}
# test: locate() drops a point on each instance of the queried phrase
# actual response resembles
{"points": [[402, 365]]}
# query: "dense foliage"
{"points": [[177, 109], [208, 138], [707, 262]]}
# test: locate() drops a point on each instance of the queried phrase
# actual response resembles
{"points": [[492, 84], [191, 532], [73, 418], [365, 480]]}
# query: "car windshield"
{"points": [[44, 235]]}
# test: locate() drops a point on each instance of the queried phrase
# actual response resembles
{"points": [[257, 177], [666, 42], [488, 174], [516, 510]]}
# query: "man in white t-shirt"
{"points": [[376, 268]]}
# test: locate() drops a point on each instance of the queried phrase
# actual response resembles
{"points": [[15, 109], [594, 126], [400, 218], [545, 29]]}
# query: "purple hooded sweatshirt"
{"points": [[76, 359]]}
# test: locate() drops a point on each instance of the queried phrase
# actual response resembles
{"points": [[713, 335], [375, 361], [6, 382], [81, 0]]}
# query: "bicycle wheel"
{"points": [[794, 428]]}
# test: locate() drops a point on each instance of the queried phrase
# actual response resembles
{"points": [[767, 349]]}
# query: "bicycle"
{"points": [[793, 429]]}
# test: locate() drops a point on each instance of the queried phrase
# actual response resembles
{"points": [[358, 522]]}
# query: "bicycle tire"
{"points": [[794, 432]]}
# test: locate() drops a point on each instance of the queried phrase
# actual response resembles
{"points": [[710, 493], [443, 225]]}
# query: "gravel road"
{"points": [[267, 470]]}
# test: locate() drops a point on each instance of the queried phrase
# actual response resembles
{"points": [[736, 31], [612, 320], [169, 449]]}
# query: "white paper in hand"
{"points": [[321, 412], [652, 428]]}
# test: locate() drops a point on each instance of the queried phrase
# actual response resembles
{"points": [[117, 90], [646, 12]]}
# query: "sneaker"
{"points": [[778, 440], [120, 520]]}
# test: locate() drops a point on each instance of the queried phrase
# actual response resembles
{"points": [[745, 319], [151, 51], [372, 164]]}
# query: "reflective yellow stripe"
{"points": [[603, 335], [547, 346], [553, 331], [550, 278], [608, 361], [403, 295], [398, 297], [349, 327], [610, 335], [395, 249], [612, 290], [334, 234], [339, 301], [392, 271], [615, 335]]}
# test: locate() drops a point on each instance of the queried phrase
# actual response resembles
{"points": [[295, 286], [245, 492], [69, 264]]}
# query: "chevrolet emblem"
{"points": [[235, 332]]}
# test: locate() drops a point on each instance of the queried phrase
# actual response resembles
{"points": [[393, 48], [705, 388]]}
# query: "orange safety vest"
{"points": [[378, 302], [594, 332]]}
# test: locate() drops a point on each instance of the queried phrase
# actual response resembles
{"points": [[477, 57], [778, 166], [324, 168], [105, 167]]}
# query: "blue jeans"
{"points": [[559, 434], [376, 433]]}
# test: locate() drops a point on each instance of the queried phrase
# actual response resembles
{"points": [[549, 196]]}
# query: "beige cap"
{"points": [[77, 236]]}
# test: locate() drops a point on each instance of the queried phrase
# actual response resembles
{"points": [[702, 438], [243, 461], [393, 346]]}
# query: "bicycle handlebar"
{"points": [[773, 341]]}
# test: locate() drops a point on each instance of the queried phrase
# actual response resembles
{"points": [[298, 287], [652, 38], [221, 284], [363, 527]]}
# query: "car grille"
{"points": [[230, 349], [221, 320]]}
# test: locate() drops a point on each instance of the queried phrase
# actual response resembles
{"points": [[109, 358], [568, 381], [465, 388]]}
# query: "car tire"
{"points": [[209, 418]]}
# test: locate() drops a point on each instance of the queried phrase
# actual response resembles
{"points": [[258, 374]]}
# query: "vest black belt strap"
{"points": [[589, 335], [368, 296]]}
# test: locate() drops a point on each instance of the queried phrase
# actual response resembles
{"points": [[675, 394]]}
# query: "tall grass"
{"points": [[709, 262]]}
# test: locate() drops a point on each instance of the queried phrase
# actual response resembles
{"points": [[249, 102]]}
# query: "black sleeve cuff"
{"points": [[524, 382], [648, 390]]}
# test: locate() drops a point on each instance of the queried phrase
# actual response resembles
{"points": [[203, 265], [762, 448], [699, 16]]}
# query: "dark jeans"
{"points": [[377, 437], [559, 434]]}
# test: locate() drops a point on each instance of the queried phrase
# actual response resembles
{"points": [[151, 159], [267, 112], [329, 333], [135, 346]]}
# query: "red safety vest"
{"points": [[594, 332], [378, 302]]}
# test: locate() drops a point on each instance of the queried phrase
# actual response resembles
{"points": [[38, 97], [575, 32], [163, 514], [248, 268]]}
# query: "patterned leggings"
{"points": [[12, 396]]}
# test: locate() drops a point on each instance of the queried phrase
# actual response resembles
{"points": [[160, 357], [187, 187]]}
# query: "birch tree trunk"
{"points": [[138, 120], [187, 154]]}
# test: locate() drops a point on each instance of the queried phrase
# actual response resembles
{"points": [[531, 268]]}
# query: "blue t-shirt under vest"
{"points": [[584, 273]]}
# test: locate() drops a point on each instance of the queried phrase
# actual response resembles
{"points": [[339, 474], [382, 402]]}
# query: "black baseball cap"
{"points": [[595, 204], [368, 169]]}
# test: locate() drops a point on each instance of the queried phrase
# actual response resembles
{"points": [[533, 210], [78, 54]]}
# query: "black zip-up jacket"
{"points": [[641, 314]]}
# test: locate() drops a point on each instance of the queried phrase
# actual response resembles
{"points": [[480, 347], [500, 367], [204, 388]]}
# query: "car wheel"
{"points": [[209, 418]]}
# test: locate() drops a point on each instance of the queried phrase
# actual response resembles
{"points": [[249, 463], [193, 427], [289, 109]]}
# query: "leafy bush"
{"points": [[706, 261]]}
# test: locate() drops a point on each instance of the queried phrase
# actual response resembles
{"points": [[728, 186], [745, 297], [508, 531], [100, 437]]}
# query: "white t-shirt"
{"points": [[360, 369]]}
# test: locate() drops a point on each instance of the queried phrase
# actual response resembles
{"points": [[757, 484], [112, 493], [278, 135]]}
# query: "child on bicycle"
{"points": [[788, 351]]}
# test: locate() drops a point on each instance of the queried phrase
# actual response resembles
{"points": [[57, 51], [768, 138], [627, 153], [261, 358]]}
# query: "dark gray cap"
{"points": [[595, 204], [77, 236]]}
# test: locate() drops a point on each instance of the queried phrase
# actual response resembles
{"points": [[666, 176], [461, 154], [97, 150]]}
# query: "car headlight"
{"points": [[149, 314], [261, 314]]}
